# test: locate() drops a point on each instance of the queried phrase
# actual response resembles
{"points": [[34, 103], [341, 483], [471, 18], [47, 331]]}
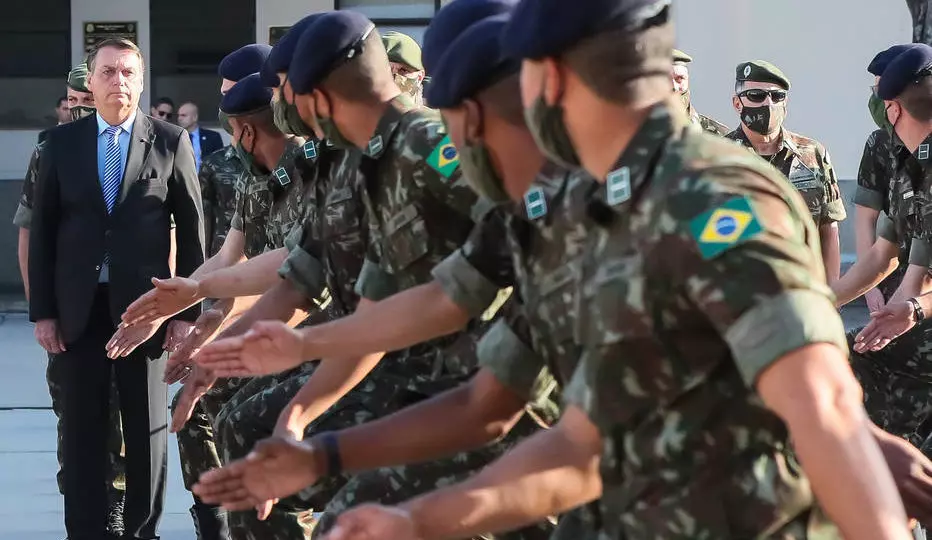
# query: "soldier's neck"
{"points": [[913, 133], [270, 151], [522, 158], [360, 119], [764, 145]]}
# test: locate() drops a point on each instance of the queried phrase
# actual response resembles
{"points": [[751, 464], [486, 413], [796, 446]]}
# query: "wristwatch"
{"points": [[918, 314]]}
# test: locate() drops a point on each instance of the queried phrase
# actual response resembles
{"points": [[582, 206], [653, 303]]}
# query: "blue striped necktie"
{"points": [[113, 167]]}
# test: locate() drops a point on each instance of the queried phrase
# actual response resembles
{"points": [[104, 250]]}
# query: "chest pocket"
{"points": [[405, 239], [808, 183], [341, 213], [904, 207], [551, 306]]}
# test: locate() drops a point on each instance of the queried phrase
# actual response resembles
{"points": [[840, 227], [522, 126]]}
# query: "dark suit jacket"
{"points": [[71, 229], [210, 142]]}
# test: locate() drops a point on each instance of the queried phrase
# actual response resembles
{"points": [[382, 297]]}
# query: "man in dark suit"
{"points": [[107, 189], [204, 141]]}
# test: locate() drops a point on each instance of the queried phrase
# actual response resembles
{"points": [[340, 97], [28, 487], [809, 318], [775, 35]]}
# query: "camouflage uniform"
{"points": [[117, 468], [806, 164], [698, 247], [922, 20], [707, 124], [219, 174], [538, 249], [897, 379], [419, 210]]}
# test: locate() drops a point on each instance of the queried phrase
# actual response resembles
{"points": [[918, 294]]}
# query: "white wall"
{"points": [[823, 46], [111, 11], [284, 13]]}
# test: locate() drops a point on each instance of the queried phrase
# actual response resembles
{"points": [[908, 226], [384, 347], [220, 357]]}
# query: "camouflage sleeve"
{"points": [[374, 283], [833, 207], [472, 275], [507, 355], [869, 192], [209, 202], [23, 216], [303, 268], [920, 252], [440, 174], [886, 229], [761, 286], [239, 204]]}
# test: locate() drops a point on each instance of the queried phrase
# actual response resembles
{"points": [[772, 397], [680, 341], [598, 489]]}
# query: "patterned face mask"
{"points": [[80, 111], [546, 125]]}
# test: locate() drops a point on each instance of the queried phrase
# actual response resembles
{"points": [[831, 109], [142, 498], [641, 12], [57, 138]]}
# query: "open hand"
{"points": [[887, 324], [126, 338], [195, 386], [912, 473], [268, 347], [180, 360], [372, 522], [49, 337], [169, 297]]}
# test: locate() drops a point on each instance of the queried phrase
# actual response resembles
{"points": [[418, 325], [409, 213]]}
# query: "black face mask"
{"points": [[765, 119]]}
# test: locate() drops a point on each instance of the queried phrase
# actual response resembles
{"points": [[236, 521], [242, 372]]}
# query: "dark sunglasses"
{"points": [[756, 95], [163, 114]]}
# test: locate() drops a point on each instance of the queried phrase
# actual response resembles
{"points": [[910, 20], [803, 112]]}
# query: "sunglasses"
{"points": [[163, 114], [756, 95]]}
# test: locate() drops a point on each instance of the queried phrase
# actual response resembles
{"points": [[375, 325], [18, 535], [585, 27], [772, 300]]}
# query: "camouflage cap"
{"points": [[402, 49], [679, 57], [77, 78], [761, 71]]}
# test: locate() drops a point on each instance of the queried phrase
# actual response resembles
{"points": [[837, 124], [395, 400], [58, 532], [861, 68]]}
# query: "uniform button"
{"points": [[97, 268]]}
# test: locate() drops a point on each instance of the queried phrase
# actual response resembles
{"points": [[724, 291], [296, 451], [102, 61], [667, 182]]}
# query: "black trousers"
{"points": [[144, 408]]}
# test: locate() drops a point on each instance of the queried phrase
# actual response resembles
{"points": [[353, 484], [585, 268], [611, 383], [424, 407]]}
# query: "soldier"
{"points": [[680, 76], [418, 209], [81, 104], [679, 395], [761, 91], [896, 376], [405, 56], [878, 162]]}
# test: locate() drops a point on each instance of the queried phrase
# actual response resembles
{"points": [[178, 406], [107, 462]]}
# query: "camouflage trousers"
{"points": [[252, 415], [394, 485], [196, 447], [116, 477], [897, 386]]}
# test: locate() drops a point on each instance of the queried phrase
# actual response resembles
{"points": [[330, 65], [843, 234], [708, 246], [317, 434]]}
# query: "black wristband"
{"points": [[328, 441], [918, 314]]}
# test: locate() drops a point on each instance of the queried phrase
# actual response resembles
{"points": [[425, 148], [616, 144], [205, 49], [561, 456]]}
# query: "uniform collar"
{"points": [[923, 153], [388, 125], [786, 139], [665, 121]]}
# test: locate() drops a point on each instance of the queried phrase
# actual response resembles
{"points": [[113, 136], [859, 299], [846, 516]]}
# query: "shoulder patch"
{"points": [[310, 150], [281, 174], [535, 203], [725, 227], [444, 159]]}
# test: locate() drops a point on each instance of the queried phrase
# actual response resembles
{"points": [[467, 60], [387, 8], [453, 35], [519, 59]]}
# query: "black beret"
{"points": [[246, 96], [335, 37], [243, 61], [904, 69], [761, 71], [279, 59], [471, 61], [883, 58], [541, 28]]}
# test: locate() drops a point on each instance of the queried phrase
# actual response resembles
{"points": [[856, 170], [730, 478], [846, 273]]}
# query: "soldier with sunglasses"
{"points": [[760, 98]]}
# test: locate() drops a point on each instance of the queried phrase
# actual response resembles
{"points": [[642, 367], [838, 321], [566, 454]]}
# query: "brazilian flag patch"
{"points": [[445, 159], [729, 225]]}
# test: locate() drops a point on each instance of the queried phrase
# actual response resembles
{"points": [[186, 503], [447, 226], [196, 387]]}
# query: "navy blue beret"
{"points": [[331, 39], [280, 58], [452, 20], [246, 96], [883, 58], [472, 62], [903, 70], [542, 28], [243, 61]]}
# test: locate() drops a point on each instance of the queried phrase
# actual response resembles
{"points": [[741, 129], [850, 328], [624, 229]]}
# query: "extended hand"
{"points": [[127, 338], [269, 347], [874, 299], [180, 360], [195, 386], [372, 522], [169, 297], [49, 336], [887, 324], [276, 468]]}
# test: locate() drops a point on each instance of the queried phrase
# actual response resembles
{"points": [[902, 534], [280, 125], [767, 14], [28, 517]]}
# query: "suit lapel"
{"points": [[140, 143]]}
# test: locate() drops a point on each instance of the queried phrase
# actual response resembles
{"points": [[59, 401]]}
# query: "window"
{"points": [[36, 36], [186, 48], [393, 12]]}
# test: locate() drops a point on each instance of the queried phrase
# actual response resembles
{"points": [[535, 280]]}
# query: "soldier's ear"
{"points": [[474, 123], [554, 81]]}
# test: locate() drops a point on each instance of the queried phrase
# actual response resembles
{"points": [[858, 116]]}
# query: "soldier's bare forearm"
{"points": [[813, 390], [463, 418], [865, 229], [410, 317], [22, 252], [546, 474], [831, 251], [248, 278], [867, 273], [282, 302]]}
